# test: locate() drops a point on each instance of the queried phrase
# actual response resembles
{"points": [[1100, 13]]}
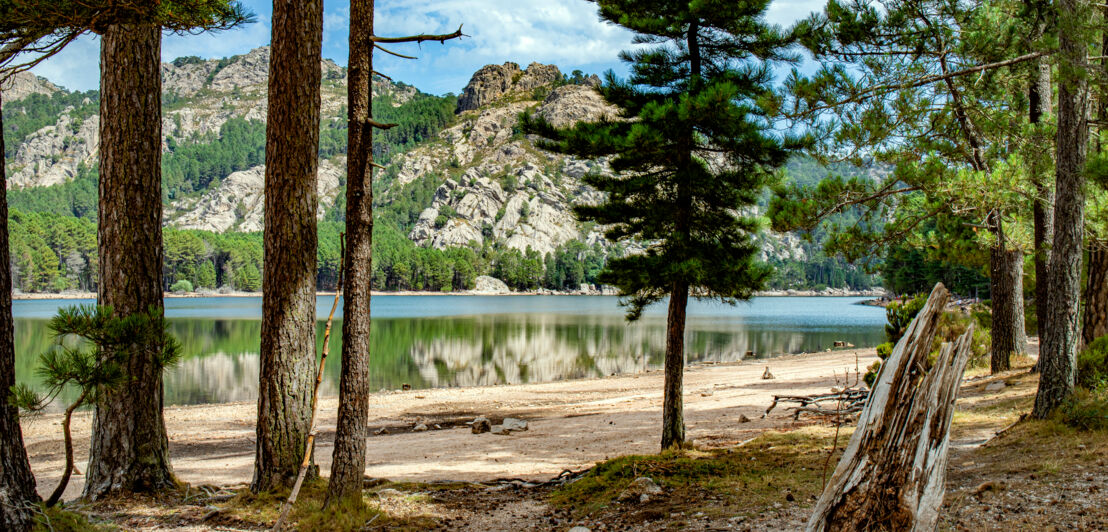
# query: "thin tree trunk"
{"points": [[1043, 206], [349, 457], [130, 450], [67, 435], [673, 417], [1006, 278], [17, 484], [1060, 332], [288, 283], [1096, 294]]}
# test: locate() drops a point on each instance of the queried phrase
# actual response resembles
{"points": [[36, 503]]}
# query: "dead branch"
{"points": [[387, 51], [421, 38]]}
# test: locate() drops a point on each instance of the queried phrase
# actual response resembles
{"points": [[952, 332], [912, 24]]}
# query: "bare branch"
{"points": [[926, 80], [420, 38], [387, 51], [376, 73], [379, 125]]}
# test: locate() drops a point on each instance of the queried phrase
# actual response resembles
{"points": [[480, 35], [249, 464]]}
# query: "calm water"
{"points": [[438, 341]]}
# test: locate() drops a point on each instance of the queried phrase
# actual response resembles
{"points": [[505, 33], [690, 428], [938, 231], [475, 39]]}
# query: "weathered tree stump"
{"points": [[892, 475]]}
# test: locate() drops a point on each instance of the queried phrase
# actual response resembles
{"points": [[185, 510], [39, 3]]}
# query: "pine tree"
{"points": [[348, 464], [690, 150], [129, 449], [288, 285], [17, 484]]}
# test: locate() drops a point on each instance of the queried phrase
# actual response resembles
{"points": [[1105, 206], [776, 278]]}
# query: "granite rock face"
{"points": [[492, 82]]}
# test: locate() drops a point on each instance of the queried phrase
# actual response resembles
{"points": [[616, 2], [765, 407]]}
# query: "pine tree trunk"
{"points": [[130, 450], [1060, 331], [288, 283], [1096, 294], [348, 460], [673, 417], [1008, 332], [17, 484], [1043, 206]]}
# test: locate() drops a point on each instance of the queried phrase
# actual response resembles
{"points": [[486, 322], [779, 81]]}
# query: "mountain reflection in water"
{"points": [[442, 341]]}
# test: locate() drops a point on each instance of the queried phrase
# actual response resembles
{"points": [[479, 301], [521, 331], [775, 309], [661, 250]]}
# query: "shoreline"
{"points": [[605, 417], [21, 296]]}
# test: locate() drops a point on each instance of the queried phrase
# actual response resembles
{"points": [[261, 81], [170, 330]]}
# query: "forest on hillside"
{"points": [[53, 242]]}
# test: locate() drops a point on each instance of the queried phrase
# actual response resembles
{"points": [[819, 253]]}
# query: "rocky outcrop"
{"points": [[490, 285], [52, 155], [494, 81], [25, 84], [238, 203], [569, 104]]}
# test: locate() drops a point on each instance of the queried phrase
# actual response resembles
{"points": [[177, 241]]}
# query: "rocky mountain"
{"points": [[487, 185]]}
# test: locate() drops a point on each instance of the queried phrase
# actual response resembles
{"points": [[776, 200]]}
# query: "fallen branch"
{"points": [[849, 401], [315, 399]]}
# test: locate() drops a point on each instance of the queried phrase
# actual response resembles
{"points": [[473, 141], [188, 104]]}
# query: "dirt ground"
{"points": [[1002, 475], [572, 424]]}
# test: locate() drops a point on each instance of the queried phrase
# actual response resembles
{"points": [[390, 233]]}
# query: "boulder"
{"points": [[480, 425], [490, 285], [511, 423]]}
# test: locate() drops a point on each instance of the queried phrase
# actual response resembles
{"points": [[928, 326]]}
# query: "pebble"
{"points": [[420, 428]]}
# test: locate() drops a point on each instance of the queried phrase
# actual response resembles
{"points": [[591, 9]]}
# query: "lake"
{"points": [[444, 341]]}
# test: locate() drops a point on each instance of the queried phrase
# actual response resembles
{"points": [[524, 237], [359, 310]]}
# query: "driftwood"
{"points": [[838, 404], [892, 475]]}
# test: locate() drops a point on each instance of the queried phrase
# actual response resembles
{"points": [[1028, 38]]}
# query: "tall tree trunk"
{"points": [[1043, 206], [1095, 322], [17, 484], [1008, 335], [1096, 294], [1060, 332], [130, 451], [288, 283], [673, 417], [348, 460]]}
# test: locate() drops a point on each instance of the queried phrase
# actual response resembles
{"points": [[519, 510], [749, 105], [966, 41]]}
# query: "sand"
{"points": [[572, 424]]}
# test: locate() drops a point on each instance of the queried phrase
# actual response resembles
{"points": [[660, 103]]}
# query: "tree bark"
{"points": [[288, 283], [673, 416], [1009, 336], [1043, 206], [1060, 332], [17, 484], [1096, 294], [130, 450], [349, 457], [892, 475]]}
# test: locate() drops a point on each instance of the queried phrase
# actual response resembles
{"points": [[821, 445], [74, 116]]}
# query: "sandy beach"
{"points": [[572, 424]]}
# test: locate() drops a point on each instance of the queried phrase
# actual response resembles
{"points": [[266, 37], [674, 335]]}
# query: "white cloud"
{"points": [[567, 33]]}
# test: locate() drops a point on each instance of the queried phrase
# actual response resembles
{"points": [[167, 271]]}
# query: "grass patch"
{"points": [[58, 519], [354, 513], [775, 468], [1076, 435]]}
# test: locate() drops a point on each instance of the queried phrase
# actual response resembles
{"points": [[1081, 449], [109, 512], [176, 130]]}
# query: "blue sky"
{"points": [[566, 33]]}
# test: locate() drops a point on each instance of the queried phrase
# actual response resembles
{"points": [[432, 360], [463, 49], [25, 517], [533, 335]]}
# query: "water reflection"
{"points": [[467, 341]]}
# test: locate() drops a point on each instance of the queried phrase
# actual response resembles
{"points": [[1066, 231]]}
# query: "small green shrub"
{"points": [[1092, 365], [1085, 410], [184, 285], [900, 315], [440, 221]]}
